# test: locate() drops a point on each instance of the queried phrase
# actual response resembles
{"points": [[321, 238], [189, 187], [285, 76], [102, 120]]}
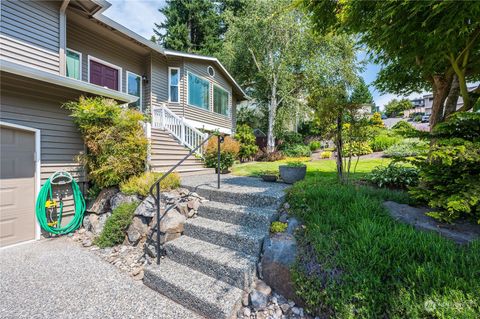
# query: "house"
{"points": [[52, 52]]}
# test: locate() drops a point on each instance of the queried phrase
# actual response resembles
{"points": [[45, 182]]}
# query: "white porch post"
{"points": [[182, 134], [162, 125]]}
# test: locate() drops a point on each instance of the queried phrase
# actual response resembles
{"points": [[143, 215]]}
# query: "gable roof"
{"points": [[102, 5]]}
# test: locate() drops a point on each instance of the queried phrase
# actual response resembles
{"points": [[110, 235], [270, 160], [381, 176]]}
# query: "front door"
{"points": [[103, 75], [17, 186]]}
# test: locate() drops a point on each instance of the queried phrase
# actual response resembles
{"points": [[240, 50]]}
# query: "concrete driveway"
{"points": [[57, 279]]}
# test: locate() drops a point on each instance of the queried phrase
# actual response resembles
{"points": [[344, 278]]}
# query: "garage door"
{"points": [[17, 186]]}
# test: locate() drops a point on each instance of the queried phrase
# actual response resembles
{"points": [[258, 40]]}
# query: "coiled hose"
{"points": [[45, 199]]}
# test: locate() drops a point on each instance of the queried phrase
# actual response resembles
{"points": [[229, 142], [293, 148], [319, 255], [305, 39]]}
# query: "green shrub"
{"points": [[229, 150], [357, 149], [278, 227], [265, 156], [296, 164], [248, 148], [288, 139], [114, 137], [141, 184], [450, 174], [407, 148], [383, 141], [394, 175], [326, 154], [314, 145], [297, 150], [405, 129], [116, 225], [376, 120]]}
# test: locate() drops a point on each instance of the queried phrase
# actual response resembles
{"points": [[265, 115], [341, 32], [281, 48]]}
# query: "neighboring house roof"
{"points": [[97, 13], [37, 74]]}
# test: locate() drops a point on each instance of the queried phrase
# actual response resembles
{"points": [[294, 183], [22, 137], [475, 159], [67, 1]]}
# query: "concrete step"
{"points": [[228, 265], [242, 238], [181, 151], [208, 296], [238, 214]]}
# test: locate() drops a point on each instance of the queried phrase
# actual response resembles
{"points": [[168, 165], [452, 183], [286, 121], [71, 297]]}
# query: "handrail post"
{"points": [[182, 133], [163, 118], [157, 204], [219, 141]]}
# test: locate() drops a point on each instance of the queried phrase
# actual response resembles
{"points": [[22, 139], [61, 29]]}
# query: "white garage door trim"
{"points": [[37, 158]]}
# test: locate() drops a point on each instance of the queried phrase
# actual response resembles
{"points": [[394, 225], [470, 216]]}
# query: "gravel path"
{"points": [[58, 279]]}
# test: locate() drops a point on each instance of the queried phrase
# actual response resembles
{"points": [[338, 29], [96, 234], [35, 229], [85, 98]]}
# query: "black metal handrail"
{"points": [[156, 185]]}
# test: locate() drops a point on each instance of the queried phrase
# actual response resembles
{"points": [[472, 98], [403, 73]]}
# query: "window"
{"points": [[134, 87], [211, 71], [198, 91], [173, 80], [104, 74], [220, 100], [74, 64]]}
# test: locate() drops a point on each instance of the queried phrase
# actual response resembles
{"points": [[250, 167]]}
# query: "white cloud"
{"points": [[137, 15]]}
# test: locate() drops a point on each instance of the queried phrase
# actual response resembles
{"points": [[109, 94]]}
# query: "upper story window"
{"points": [[198, 91], [210, 71], [104, 74], [173, 82], [134, 87], [74, 64], [220, 100]]}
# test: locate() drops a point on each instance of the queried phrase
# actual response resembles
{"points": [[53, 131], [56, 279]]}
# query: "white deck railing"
{"points": [[186, 134]]}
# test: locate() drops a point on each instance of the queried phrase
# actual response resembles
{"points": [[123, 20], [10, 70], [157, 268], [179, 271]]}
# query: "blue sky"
{"points": [[140, 16]]}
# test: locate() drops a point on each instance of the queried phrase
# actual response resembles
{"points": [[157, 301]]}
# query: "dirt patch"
{"points": [[462, 232]]}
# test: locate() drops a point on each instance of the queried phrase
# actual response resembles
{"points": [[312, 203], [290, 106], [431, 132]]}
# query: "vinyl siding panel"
{"points": [[30, 33], [101, 47], [38, 106]]}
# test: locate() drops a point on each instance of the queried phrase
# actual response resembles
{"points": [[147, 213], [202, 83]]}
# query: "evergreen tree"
{"points": [[361, 94]]}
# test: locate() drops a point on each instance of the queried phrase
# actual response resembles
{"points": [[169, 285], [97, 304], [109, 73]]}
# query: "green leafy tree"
{"points": [[396, 107], [425, 52], [361, 94]]}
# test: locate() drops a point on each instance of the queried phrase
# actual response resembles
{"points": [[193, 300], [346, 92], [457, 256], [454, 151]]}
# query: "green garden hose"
{"points": [[46, 203]]}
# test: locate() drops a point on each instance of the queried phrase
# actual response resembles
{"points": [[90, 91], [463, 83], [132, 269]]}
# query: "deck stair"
{"points": [[166, 151], [209, 268]]}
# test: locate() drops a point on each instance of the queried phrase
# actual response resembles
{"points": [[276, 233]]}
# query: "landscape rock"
{"points": [[121, 198], [279, 254], [172, 222], [137, 229], [146, 208], [258, 300], [283, 218], [183, 208], [262, 287], [101, 204], [293, 224], [94, 223]]}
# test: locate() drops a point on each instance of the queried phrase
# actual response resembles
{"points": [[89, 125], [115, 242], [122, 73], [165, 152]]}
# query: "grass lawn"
{"points": [[357, 262]]}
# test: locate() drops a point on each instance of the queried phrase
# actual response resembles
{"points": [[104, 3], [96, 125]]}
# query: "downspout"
{"points": [[63, 37]]}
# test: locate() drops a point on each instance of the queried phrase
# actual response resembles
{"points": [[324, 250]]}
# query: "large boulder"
{"points": [[279, 254], [146, 208], [172, 222], [137, 229], [95, 223], [101, 204], [121, 198]]}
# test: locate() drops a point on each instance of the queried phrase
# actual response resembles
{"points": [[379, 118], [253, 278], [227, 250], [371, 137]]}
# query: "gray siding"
{"points": [[30, 33], [39, 106], [101, 47]]}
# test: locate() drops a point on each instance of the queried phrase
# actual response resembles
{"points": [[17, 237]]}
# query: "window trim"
{"points": [[81, 63], [92, 58], [209, 93], [228, 101], [141, 88], [169, 84]]}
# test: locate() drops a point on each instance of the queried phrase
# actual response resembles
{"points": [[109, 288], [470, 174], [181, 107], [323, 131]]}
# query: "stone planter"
{"points": [[292, 174], [269, 177]]}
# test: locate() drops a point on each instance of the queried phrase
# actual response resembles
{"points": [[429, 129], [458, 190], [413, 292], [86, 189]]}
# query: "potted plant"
{"points": [[269, 175], [293, 172]]}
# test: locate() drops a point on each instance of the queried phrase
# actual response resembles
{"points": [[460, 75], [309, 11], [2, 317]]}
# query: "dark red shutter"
{"points": [[103, 75]]}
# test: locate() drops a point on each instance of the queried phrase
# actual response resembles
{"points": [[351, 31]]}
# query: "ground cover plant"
{"points": [[355, 261], [114, 231], [383, 139], [141, 184]]}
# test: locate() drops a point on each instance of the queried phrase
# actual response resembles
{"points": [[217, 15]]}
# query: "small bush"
{"points": [[394, 175], [114, 231], [278, 227], [326, 154], [297, 150], [357, 149], [314, 145], [248, 148], [229, 150], [114, 137], [383, 141], [376, 120], [407, 148], [141, 184], [405, 129], [288, 139], [265, 156], [269, 172], [296, 164]]}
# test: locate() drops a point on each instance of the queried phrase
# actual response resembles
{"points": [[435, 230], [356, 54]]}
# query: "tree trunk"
{"points": [[441, 88], [339, 146], [452, 99], [272, 111]]}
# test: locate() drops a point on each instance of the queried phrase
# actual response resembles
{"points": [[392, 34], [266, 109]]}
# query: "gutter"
{"points": [[63, 81]]}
